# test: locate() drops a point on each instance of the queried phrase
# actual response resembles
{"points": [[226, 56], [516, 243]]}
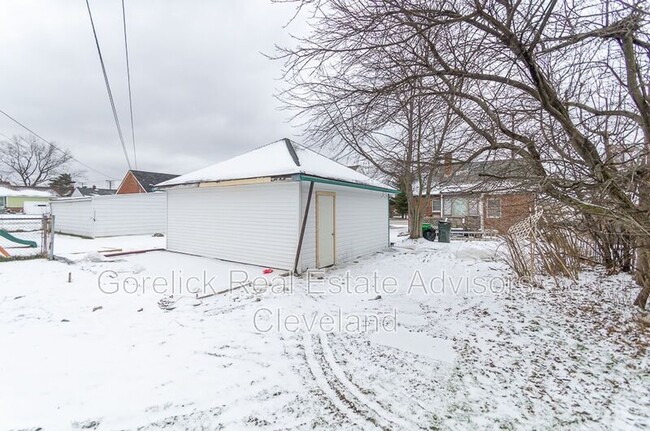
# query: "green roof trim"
{"points": [[346, 184]]}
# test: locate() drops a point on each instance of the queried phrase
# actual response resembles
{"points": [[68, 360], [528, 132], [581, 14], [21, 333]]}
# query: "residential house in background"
{"points": [[481, 196], [32, 200], [80, 192], [142, 181]]}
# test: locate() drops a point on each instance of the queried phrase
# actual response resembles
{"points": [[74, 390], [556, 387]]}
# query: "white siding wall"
{"points": [[256, 223], [73, 216], [130, 214], [36, 207], [100, 216], [361, 223]]}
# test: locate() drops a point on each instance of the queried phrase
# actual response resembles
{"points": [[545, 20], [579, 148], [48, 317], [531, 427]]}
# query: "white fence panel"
{"points": [[116, 215]]}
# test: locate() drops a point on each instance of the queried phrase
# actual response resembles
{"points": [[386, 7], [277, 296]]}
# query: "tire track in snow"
{"points": [[354, 390], [344, 394], [344, 405]]}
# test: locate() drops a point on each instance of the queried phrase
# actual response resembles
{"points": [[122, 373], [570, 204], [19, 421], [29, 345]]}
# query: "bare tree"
{"points": [[404, 145], [562, 84], [402, 131], [30, 162]]}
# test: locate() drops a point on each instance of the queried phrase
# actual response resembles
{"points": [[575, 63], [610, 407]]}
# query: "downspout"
{"points": [[481, 212], [303, 228]]}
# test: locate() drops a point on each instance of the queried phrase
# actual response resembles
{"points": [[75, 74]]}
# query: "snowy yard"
{"points": [[470, 351]]}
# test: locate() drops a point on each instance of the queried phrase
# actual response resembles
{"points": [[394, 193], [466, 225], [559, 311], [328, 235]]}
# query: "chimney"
{"points": [[448, 160], [94, 187]]}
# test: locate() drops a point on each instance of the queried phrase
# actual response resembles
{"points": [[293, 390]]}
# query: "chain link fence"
{"points": [[23, 237]]}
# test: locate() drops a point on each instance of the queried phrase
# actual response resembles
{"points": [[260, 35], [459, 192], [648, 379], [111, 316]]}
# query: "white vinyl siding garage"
{"points": [[250, 209], [361, 223], [115, 215], [255, 223]]}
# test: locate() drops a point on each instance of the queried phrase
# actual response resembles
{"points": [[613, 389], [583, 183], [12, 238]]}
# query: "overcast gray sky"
{"points": [[202, 91]]}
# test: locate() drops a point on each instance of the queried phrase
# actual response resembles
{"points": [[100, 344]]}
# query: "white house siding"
{"points": [[361, 223], [116, 215], [73, 216], [255, 223]]}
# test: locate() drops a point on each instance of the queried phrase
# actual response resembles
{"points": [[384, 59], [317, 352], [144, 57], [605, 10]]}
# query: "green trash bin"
{"points": [[428, 232], [444, 231]]}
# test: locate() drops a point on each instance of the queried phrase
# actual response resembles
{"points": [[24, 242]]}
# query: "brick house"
{"points": [[481, 196], [141, 181]]}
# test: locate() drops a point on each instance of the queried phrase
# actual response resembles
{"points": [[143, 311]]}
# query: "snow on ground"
{"points": [[421, 336], [76, 248]]}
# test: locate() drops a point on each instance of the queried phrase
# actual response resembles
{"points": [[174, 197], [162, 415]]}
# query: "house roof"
{"points": [[90, 191], [280, 158], [148, 180], [480, 176], [12, 191]]}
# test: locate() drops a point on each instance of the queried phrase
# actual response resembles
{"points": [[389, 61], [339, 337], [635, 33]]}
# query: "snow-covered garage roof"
{"points": [[278, 158]]}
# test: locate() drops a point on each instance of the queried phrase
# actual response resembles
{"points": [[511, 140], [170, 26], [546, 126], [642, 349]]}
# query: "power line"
{"points": [[128, 79], [108, 86], [50, 143]]}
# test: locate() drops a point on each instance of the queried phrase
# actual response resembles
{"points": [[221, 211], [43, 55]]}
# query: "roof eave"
{"points": [[228, 182], [315, 179], [292, 176]]}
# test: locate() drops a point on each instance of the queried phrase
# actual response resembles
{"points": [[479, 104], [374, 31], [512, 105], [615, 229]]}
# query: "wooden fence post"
{"points": [[44, 235], [50, 251]]}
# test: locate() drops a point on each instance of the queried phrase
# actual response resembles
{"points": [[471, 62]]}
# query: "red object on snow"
{"points": [[267, 271]]}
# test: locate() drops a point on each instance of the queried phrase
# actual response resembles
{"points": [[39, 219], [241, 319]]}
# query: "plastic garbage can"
{"points": [[444, 231]]}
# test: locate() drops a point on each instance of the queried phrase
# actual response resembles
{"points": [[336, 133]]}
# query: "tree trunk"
{"points": [[415, 218], [600, 233], [642, 273]]}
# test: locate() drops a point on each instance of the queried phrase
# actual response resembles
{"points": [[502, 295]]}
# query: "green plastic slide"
{"points": [[10, 237]]}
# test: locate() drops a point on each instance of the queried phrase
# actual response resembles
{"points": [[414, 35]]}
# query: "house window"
{"points": [[461, 207], [447, 207], [494, 207], [436, 206], [3, 202], [473, 207]]}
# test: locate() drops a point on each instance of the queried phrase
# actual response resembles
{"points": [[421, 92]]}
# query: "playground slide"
{"points": [[10, 237]]}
